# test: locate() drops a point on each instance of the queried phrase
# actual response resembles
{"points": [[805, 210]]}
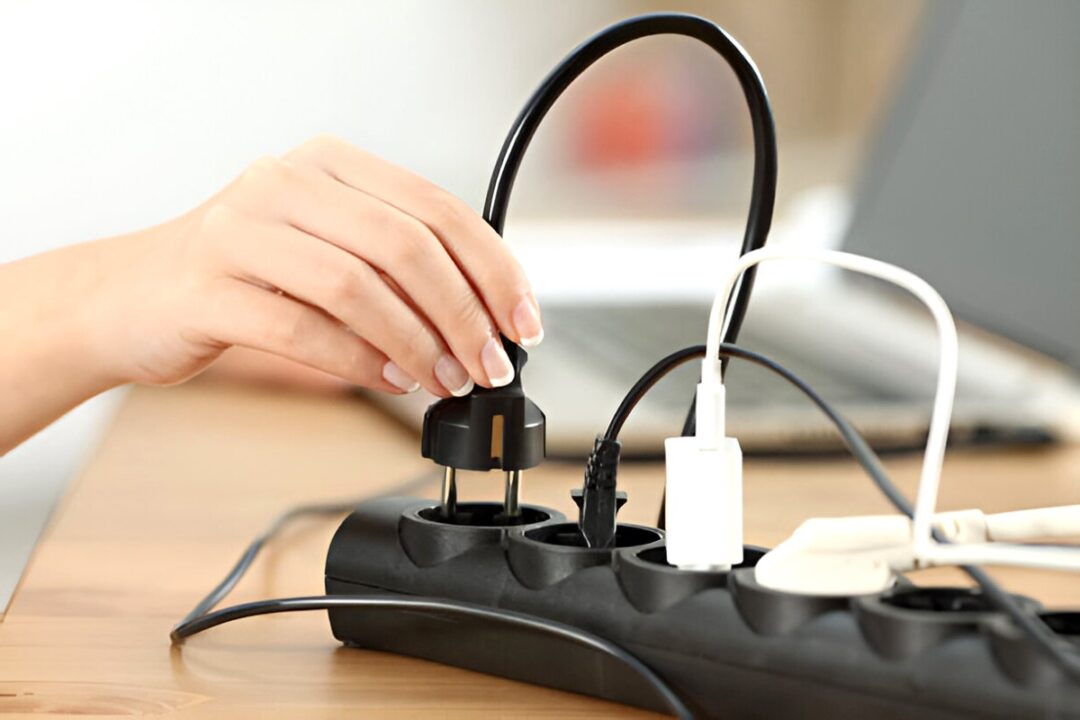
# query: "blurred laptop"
{"points": [[973, 183]]}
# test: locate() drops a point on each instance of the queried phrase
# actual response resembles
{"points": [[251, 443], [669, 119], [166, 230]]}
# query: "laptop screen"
{"points": [[974, 179]]}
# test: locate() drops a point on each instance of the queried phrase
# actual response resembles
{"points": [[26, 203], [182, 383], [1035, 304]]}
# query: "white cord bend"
{"points": [[930, 477]]}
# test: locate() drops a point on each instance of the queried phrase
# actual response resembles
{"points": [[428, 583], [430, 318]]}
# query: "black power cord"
{"points": [[448, 610], [599, 499], [330, 509], [763, 187], [853, 440], [652, 376], [1037, 632]]}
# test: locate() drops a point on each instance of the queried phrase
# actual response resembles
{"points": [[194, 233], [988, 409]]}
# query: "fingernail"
{"points": [[497, 366], [393, 374], [526, 319], [453, 376]]}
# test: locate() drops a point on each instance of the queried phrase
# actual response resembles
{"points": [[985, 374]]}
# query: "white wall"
{"points": [[117, 115]]}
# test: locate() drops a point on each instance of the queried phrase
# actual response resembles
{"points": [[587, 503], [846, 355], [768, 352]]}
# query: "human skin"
{"points": [[327, 256]]}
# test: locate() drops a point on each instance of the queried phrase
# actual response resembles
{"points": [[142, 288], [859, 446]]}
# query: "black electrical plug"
{"points": [[488, 429], [598, 499]]}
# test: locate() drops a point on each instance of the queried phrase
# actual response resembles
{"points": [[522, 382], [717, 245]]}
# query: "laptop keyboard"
{"points": [[624, 341]]}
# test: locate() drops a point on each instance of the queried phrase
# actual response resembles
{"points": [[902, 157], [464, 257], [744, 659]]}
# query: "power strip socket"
{"points": [[726, 645]]}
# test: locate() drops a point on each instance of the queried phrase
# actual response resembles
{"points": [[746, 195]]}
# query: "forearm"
{"points": [[51, 335]]}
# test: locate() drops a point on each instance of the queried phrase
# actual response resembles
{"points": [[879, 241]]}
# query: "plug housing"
{"points": [[598, 499], [703, 510], [488, 429]]}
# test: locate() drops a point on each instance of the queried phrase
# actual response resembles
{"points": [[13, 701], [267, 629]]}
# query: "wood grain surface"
{"points": [[188, 476]]}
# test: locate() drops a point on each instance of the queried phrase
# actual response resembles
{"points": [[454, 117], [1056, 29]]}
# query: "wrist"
{"points": [[106, 307], [51, 362]]}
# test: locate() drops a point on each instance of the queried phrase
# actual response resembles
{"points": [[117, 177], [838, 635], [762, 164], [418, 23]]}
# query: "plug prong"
{"points": [[449, 492], [512, 502]]}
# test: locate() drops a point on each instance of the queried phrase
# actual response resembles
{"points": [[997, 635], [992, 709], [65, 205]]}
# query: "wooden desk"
{"points": [[187, 476]]}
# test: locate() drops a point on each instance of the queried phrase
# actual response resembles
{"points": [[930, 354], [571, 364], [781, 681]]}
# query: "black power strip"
{"points": [[726, 645]]}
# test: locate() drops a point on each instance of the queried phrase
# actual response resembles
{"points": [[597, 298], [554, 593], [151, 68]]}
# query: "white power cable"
{"points": [[934, 457], [1051, 522], [924, 550], [864, 554]]}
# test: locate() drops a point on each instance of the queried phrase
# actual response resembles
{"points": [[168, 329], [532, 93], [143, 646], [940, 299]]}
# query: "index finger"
{"points": [[482, 255]]}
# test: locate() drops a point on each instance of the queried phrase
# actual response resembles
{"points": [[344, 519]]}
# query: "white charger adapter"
{"points": [[703, 513]]}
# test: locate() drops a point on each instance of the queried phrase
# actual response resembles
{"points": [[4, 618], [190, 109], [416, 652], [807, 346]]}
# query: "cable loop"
{"points": [[763, 189], [934, 456]]}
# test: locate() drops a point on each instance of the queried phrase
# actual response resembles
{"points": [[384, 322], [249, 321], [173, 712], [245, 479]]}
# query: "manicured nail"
{"points": [[393, 374], [496, 364], [526, 319], [453, 376]]}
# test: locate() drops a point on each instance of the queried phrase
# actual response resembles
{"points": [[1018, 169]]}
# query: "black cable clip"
{"points": [[598, 500]]}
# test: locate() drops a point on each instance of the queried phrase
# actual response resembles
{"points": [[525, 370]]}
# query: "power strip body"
{"points": [[726, 645]]}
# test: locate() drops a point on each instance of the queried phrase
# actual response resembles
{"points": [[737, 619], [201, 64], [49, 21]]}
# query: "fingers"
{"points": [[255, 367], [398, 245], [346, 287], [260, 319], [475, 247]]}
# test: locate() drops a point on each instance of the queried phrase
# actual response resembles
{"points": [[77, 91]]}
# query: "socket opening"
{"points": [[484, 514], [939, 600], [1064, 623], [658, 556], [569, 535]]}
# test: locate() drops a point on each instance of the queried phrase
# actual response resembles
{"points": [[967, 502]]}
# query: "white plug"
{"points": [[866, 554], [703, 507]]}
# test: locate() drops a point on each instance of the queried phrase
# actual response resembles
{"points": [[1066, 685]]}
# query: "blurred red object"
{"points": [[652, 112], [624, 123]]}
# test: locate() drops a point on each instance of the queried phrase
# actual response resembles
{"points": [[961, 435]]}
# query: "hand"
{"points": [[327, 256], [336, 259]]}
